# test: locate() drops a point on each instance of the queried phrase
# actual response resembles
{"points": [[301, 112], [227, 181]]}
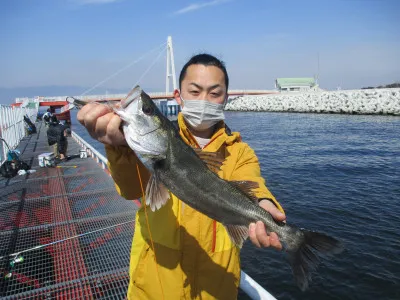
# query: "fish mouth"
{"points": [[76, 102]]}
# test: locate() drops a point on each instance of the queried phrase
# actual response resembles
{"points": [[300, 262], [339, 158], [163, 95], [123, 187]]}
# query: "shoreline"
{"points": [[351, 102]]}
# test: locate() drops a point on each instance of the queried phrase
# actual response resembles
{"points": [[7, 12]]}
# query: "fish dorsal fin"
{"points": [[213, 160], [247, 187], [238, 234], [156, 193]]}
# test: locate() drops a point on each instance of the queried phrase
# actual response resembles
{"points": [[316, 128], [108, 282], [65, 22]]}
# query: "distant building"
{"points": [[296, 84]]}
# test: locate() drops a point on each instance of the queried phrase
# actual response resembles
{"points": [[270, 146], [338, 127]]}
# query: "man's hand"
{"points": [[257, 233], [102, 124]]}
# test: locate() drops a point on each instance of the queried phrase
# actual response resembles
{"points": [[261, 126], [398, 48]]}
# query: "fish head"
{"points": [[143, 126]]}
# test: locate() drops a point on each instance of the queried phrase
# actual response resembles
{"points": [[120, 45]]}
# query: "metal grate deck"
{"points": [[59, 203]]}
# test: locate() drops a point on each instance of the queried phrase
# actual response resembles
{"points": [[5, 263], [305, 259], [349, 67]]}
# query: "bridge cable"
{"points": [[124, 68], [150, 67]]}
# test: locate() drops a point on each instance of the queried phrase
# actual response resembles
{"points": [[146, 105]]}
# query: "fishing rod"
{"points": [[66, 166], [4, 141], [18, 257]]}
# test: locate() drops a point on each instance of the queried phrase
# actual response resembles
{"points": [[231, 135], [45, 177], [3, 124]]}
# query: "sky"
{"points": [[63, 47]]}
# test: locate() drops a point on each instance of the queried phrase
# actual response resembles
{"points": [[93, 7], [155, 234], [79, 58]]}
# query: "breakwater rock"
{"points": [[375, 101]]}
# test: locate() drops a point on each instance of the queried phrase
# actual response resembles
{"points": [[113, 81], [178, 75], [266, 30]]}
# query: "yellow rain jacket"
{"points": [[193, 256]]}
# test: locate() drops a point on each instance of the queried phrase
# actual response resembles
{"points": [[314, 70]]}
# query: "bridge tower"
{"points": [[170, 66]]}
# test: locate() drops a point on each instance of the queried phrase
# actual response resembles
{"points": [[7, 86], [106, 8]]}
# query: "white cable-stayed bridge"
{"points": [[170, 81]]}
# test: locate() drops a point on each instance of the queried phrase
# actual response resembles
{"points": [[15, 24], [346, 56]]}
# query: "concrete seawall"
{"points": [[374, 101]]}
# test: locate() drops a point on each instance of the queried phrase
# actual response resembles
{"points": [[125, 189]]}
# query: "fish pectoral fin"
{"points": [[213, 160], [156, 193], [247, 187], [238, 233]]}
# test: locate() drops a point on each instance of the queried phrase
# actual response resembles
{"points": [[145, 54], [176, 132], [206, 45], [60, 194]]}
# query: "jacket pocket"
{"points": [[157, 279]]}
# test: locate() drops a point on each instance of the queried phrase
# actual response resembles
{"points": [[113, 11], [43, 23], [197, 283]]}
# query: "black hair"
{"points": [[205, 60]]}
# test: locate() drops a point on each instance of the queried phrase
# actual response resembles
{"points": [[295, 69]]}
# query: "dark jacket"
{"points": [[55, 134]]}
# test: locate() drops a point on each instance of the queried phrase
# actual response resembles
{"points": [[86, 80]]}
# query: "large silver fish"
{"points": [[176, 167]]}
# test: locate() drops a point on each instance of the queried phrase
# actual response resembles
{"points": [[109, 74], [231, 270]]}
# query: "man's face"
{"points": [[203, 82]]}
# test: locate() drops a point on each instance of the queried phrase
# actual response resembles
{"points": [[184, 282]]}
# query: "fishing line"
{"points": [[17, 254], [148, 228], [124, 68]]}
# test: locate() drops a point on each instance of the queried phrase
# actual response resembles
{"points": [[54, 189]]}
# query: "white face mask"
{"points": [[202, 114]]}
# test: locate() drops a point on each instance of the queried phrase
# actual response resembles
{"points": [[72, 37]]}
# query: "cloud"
{"points": [[197, 6], [84, 2]]}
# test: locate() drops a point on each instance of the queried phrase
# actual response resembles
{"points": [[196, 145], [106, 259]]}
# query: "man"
{"points": [[193, 256], [66, 132], [56, 137], [46, 117]]}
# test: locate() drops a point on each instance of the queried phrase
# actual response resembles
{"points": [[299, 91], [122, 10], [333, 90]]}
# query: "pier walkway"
{"points": [[75, 210], [65, 233]]}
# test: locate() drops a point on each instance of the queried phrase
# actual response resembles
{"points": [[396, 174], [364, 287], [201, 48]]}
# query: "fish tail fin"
{"points": [[304, 259]]}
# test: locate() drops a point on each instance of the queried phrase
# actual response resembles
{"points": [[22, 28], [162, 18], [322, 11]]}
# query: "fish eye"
{"points": [[147, 110]]}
